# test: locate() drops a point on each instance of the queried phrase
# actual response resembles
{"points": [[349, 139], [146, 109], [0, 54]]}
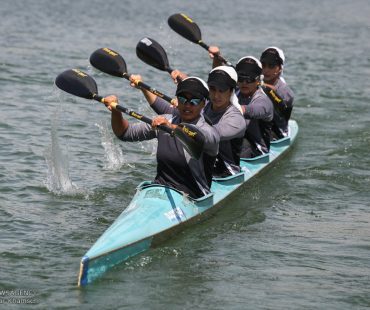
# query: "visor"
{"points": [[194, 86]]}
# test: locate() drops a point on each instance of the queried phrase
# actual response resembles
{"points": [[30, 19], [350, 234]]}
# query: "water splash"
{"points": [[113, 154], [58, 180]]}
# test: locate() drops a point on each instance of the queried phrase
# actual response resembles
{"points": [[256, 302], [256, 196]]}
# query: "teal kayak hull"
{"points": [[157, 212]]}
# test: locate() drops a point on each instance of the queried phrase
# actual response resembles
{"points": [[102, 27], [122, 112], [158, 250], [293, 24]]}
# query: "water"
{"points": [[298, 237]]}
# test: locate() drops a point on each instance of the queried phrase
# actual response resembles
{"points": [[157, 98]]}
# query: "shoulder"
{"points": [[232, 110], [211, 135], [232, 116], [204, 123], [260, 96], [281, 83], [206, 127], [261, 99], [282, 88]]}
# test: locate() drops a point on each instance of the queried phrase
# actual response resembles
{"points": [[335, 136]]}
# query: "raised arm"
{"points": [[135, 79], [119, 124], [213, 52]]}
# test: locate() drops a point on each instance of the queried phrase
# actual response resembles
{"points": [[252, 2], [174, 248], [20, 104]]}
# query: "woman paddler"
{"points": [[175, 167]]}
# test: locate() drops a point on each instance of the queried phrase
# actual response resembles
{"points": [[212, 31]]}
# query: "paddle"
{"points": [[80, 84], [153, 54], [112, 63], [187, 28]]}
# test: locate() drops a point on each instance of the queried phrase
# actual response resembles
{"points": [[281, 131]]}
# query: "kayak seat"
{"points": [[231, 179], [281, 142], [262, 159], [149, 184]]}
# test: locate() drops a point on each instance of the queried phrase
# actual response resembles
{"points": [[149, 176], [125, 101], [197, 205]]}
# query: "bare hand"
{"points": [[160, 120], [213, 50], [177, 74], [135, 79], [110, 102], [174, 102]]}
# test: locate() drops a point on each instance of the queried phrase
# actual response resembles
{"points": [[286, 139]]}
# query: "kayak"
{"points": [[157, 212]]}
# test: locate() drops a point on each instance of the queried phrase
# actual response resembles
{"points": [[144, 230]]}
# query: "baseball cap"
{"points": [[273, 55], [194, 86], [222, 77], [249, 66]]}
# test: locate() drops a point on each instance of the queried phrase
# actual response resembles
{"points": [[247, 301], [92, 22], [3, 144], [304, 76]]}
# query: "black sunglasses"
{"points": [[193, 101], [246, 79]]}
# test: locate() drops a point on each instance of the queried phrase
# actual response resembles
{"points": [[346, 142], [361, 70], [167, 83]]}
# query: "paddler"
{"points": [[257, 107], [272, 59], [175, 167], [222, 111]]}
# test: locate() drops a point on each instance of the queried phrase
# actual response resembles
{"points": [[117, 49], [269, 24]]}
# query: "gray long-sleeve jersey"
{"points": [[176, 168], [259, 113], [282, 111], [230, 126]]}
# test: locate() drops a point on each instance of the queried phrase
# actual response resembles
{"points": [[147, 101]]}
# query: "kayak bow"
{"points": [[157, 212]]}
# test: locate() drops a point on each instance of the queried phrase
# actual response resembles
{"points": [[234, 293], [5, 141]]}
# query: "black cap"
{"points": [[194, 86], [221, 80], [271, 56], [249, 67]]}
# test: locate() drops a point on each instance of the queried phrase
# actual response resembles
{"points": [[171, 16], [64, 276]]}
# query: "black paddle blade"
{"points": [[152, 53], [191, 138], [108, 61], [77, 83], [184, 26]]}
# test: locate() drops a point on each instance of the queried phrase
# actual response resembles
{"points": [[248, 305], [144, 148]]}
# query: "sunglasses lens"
{"points": [[182, 100], [193, 101]]}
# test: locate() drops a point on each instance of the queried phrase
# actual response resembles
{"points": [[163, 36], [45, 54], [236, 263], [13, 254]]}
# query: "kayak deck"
{"points": [[157, 212]]}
